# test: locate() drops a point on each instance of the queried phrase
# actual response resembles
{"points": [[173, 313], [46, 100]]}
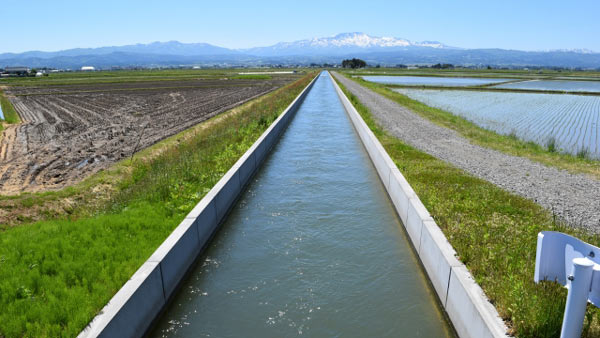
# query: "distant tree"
{"points": [[401, 66], [489, 67], [354, 63], [443, 66]]}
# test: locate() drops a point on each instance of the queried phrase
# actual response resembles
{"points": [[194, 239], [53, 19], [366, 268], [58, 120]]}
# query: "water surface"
{"points": [[572, 121], [432, 80], [561, 85], [313, 248]]}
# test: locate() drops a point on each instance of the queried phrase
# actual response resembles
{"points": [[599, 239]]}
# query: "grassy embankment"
{"points": [[10, 114], [485, 73], [55, 275], [28, 207], [487, 88], [493, 232], [506, 143]]}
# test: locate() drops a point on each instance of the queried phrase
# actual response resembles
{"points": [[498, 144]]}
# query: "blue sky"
{"points": [[526, 25]]}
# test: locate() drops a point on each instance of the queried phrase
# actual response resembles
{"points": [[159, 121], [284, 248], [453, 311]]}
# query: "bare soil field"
{"points": [[69, 132]]}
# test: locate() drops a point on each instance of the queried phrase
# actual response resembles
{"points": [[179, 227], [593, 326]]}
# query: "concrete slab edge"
{"points": [[469, 310], [132, 310]]}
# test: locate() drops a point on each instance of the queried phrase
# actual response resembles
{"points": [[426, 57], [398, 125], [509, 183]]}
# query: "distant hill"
{"points": [[375, 50]]}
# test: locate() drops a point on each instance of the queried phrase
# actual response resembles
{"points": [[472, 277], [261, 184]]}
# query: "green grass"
{"points": [[486, 138], [10, 114], [55, 275], [78, 78], [253, 76], [493, 232]]}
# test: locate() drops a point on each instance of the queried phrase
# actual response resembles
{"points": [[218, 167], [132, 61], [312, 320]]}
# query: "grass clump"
{"points": [[487, 138], [583, 153], [551, 145], [494, 233], [55, 275]]}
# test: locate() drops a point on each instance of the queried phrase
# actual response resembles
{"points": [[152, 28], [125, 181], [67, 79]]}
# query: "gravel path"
{"points": [[572, 197]]}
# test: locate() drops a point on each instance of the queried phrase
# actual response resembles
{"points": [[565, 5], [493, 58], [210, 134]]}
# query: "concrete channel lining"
{"points": [[133, 309], [469, 310]]}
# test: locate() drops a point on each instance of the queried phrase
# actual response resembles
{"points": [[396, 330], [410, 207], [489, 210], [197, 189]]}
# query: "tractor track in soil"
{"points": [[70, 132]]}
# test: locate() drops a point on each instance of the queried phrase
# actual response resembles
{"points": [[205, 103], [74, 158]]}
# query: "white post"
{"points": [[581, 281]]}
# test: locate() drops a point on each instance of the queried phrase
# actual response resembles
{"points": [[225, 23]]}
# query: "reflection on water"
{"points": [[562, 85], [432, 80], [313, 248]]}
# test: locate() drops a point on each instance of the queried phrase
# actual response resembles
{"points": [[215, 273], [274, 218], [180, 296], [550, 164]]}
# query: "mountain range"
{"points": [[373, 49]]}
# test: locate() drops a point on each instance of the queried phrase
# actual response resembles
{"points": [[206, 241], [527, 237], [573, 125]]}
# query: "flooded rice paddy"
{"points": [[570, 120], [432, 80], [560, 85]]}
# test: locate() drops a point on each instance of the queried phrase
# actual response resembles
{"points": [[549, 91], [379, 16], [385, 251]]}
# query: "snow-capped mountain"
{"points": [[347, 40], [341, 44], [372, 49]]}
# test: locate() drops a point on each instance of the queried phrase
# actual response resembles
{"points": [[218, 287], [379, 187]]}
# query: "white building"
{"points": [[87, 69]]}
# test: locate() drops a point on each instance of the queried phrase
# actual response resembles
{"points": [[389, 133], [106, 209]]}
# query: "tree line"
{"points": [[354, 63]]}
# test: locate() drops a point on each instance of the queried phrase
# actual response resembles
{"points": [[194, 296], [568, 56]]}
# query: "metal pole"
{"points": [[577, 298]]}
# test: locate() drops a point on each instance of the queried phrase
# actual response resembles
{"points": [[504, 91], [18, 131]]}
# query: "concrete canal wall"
{"points": [[132, 310], [467, 306]]}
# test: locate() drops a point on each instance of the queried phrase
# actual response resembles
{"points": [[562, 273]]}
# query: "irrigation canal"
{"points": [[313, 247]]}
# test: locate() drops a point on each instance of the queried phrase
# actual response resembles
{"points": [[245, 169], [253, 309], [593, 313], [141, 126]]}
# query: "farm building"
{"points": [[16, 71], [87, 69]]}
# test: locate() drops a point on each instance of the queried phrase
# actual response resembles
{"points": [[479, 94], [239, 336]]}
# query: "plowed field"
{"points": [[70, 132]]}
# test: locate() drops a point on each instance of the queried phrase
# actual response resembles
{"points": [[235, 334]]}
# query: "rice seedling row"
{"points": [[568, 121]]}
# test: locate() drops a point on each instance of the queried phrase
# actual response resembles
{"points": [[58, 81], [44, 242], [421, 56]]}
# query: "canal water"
{"points": [[313, 247]]}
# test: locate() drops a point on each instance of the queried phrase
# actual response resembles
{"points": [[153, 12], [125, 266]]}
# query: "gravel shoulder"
{"points": [[575, 198]]}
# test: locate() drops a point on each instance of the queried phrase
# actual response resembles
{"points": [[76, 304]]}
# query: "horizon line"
{"points": [[587, 50]]}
